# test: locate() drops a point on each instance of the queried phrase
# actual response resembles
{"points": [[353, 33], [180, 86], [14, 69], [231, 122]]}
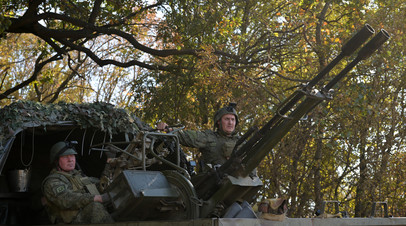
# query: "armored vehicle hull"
{"points": [[154, 189], [149, 181]]}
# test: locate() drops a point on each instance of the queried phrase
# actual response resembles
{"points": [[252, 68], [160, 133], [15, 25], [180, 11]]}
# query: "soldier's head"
{"points": [[226, 119], [62, 154]]}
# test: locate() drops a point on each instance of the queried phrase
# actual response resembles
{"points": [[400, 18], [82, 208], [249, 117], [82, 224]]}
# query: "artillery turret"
{"points": [[231, 182]]}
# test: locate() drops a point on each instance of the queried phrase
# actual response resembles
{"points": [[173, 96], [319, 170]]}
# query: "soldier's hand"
{"points": [[105, 198], [98, 198], [102, 198], [161, 126]]}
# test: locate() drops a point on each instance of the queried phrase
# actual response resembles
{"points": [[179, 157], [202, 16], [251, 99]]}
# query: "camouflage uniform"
{"points": [[69, 199], [215, 146]]}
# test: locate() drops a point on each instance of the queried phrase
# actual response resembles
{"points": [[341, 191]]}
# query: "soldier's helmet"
{"points": [[62, 148], [230, 109]]}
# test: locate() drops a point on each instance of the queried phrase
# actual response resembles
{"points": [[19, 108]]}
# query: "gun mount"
{"points": [[150, 178], [222, 185]]}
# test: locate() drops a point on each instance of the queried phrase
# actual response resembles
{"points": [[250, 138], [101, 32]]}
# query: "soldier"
{"points": [[71, 197], [215, 145]]}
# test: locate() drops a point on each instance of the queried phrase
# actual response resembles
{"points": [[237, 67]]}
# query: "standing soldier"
{"points": [[71, 197], [215, 145]]}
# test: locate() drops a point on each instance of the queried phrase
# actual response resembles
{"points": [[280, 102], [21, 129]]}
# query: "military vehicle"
{"points": [[150, 178]]}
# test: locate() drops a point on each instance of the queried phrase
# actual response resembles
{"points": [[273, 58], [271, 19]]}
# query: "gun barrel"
{"points": [[357, 40], [364, 53], [354, 43], [276, 133], [374, 44], [348, 49], [244, 160]]}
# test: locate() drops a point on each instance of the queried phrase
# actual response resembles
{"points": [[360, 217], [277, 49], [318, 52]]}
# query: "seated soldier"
{"points": [[71, 197]]}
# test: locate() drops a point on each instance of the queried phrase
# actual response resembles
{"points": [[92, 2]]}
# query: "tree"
{"points": [[68, 27]]}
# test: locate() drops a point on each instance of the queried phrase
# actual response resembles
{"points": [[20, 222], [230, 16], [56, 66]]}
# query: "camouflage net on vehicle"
{"points": [[104, 116]]}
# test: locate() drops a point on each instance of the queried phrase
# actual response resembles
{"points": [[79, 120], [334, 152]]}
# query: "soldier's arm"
{"points": [[59, 193], [194, 139]]}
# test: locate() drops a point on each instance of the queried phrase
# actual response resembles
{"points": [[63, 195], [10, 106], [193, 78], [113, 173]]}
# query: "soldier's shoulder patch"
{"points": [[60, 189]]}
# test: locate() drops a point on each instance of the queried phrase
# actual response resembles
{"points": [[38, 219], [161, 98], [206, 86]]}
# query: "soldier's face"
{"points": [[67, 162], [228, 123]]}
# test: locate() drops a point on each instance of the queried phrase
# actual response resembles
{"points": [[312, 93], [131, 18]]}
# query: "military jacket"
{"points": [[215, 147], [66, 194]]}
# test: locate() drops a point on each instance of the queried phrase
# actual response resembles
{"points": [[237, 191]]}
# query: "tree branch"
{"points": [[321, 17], [37, 70], [95, 11], [67, 80], [89, 31]]}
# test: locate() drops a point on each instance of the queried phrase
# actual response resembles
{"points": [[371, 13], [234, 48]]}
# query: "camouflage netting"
{"points": [[99, 115]]}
